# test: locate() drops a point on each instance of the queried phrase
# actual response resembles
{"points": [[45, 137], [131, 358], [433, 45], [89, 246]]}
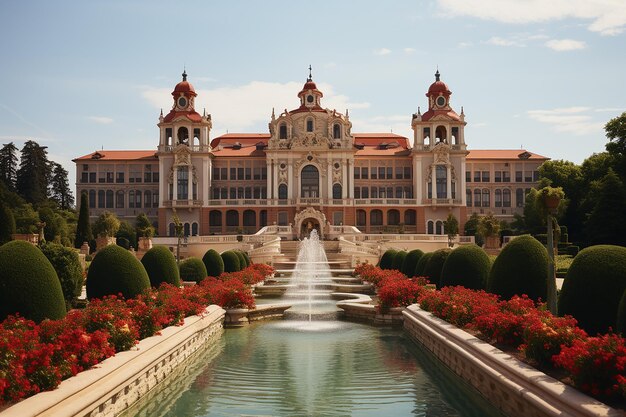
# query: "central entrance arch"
{"points": [[310, 182], [309, 219]]}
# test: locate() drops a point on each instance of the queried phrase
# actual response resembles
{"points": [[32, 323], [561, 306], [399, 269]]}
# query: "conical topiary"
{"points": [[434, 266], [421, 264], [114, 270], [468, 266], [29, 285], [231, 261], [242, 259], [386, 261], [193, 269], [398, 260], [213, 263], [410, 262], [161, 266]]}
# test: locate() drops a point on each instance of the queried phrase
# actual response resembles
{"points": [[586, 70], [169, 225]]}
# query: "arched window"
{"points": [[519, 197], [187, 229], [101, 199], [109, 201], [263, 218], [506, 198], [194, 229], [477, 199], [440, 134], [439, 227], [486, 202], [361, 218], [336, 131], [376, 217], [309, 124], [215, 218], [131, 199], [410, 217], [282, 131], [92, 198], [468, 197], [430, 227], [442, 181], [393, 217], [172, 229], [147, 199], [336, 191], [282, 192], [232, 218], [498, 197], [182, 185], [137, 199], [183, 135], [310, 182], [249, 218], [119, 199], [196, 139]]}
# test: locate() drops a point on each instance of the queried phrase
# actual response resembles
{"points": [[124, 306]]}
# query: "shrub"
{"points": [[161, 266], [213, 262], [193, 269], [421, 264], [28, 283], [468, 266], [67, 266], [434, 266], [247, 257], [231, 261], [386, 261], [242, 259], [398, 260], [398, 293], [593, 287], [123, 242], [521, 268], [106, 225], [410, 262], [115, 270], [7, 223]]}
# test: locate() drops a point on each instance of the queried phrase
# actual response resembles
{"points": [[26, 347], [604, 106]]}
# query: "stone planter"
{"points": [[144, 244]]}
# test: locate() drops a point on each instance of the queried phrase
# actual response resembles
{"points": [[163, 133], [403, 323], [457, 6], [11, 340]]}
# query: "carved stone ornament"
{"points": [[182, 155], [441, 153], [310, 140], [308, 213]]}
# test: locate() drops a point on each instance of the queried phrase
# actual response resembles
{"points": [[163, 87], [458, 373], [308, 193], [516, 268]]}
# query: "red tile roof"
{"points": [[191, 115], [505, 154], [243, 138], [117, 155], [432, 113], [375, 139]]}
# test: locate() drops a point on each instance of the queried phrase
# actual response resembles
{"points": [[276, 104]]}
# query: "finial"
{"points": [[347, 114], [273, 114], [419, 111], [204, 112], [462, 110], [310, 75], [437, 74], [184, 74], [161, 112]]}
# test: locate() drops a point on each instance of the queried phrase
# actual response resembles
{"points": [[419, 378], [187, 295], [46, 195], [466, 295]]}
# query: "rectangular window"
{"points": [[223, 193], [399, 173], [92, 177], [248, 173], [216, 173], [476, 176], [374, 176], [264, 173], [535, 175], [374, 192], [364, 173], [147, 173], [381, 173], [389, 173], [442, 181], [485, 176], [257, 173], [101, 176], [182, 184], [134, 174], [119, 177], [468, 176], [506, 176], [407, 173], [498, 176], [84, 177], [365, 192], [528, 176], [518, 176], [357, 173], [240, 174], [224, 173], [357, 192], [233, 174]]}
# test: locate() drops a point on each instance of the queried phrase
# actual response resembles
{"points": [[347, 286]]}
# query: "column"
{"points": [[462, 188], [189, 182], [448, 182], [207, 180], [175, 185], [329, 179], [344, 175], [163, 186], [350, 179], [274, 174], [417, 180], [290, 184], [269, 180]]}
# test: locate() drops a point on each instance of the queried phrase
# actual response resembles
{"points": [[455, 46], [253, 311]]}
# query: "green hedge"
{"points": [[468, 266], [29, 285], [161, 266], [193, 269], [231, 261], [410, 262], [242, 259], [114, 270], [213, 263], [67, 265], [398, 260], [521, 268], [434, 266], [421, 264], [593, 287], [386, 261]]}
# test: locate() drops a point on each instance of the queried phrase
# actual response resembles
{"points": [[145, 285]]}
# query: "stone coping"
{"points": [[514, 387], [117, 382], [358, 307], [237, 317]]}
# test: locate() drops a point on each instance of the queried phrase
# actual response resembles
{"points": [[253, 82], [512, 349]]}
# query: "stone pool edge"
{"points": [[118, 382], [517, 389]]}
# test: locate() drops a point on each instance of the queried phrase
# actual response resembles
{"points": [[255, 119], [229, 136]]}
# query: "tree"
{"points": [[471, 228], [7, 223], [83, 228], [605, 224], [127, 231], [144, 226], [106, 225], [451, 228], [26, 219], [489, 226], [8, 165], [60, 188], [616, 133], [34, 173]]}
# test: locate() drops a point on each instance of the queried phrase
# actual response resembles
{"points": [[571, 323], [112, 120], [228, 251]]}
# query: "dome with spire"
{"points": [[184, 87], [438, 86]]}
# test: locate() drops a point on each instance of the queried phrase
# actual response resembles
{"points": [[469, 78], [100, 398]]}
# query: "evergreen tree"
{"points": [[34, 173], [8, 165], [60, 188], [83, 229], [605, 224], [7, 223], [616, 133]]}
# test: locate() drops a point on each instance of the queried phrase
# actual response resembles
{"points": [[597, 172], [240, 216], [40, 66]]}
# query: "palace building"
{"points": [[309, 171]]}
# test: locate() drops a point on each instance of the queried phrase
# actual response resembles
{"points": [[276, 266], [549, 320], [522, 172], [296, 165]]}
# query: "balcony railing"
{"points": [[442, 201], [196, 148], [182, 203]]}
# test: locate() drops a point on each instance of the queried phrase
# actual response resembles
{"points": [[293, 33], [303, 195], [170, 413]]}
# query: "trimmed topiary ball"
{"points": [[410, 262], [521, 268], [115, 270], [242, 259], [66, 263], [213, 262], [231, 261], [398, 260], [421, 264], [247, 257], [161, 266], [594, 286], [468, 266], [28, 283], [193, 269], [386, 261], [434, 266]]}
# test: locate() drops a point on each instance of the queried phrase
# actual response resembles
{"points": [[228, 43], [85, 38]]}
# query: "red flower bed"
{"points": [[596, 365], [35, 358]]}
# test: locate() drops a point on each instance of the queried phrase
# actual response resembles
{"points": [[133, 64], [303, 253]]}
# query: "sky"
{"points": [[542, 75]]}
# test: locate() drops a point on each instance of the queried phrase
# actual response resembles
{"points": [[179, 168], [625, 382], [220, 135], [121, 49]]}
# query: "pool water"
{"points": [[324, 368]]}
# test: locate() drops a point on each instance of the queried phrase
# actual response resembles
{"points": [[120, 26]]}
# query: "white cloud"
{"points": [[607, 17], [498, 41], [400, 124], [610, 109], [240, 108], [565, 44], [103, 120], [464, 44], [409, 51], [575, 120], [382, 51]]}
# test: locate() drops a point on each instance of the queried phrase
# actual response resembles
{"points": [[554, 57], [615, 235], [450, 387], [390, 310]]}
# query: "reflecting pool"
{"points": [[318, 368]]}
